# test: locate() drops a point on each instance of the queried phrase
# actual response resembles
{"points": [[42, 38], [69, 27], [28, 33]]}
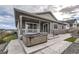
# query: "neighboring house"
{"points": [[37, 22], [78, 25], [71, 23]]}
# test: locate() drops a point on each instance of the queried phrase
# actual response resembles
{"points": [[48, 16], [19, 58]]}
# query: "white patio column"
{"points": [[51, 28], [26, 28], [20, 26], [18, 29], [39, 26]]}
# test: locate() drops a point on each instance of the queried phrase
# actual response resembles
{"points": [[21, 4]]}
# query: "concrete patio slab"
{"points": [[56, 48], [53, 46], [48, 51], [60, 47], [14, 47], [38, 53]]}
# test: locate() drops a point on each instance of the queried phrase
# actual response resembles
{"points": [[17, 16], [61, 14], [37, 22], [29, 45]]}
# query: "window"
{"points": [[35, 26], [32, 26], [71, 25], [55, 26]]}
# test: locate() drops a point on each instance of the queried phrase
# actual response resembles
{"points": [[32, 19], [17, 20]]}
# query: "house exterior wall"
{"points": [[59, 29], [47, 16]]}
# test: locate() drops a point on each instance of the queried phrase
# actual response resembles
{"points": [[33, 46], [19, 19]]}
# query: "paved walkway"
{"points": [[53, 46]]}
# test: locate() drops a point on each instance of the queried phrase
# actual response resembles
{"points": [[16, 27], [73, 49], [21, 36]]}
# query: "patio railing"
{"points": [[30, 30]]}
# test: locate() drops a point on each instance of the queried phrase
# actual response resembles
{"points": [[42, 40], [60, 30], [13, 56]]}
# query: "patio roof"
{"points": [[34, 15]]}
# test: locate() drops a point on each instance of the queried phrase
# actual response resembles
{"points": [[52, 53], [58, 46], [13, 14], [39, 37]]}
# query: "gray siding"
{"points": [[47, 16], [59, 30]]}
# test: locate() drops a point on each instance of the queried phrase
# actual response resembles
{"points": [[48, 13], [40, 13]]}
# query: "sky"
{"points": [[61, 12]]}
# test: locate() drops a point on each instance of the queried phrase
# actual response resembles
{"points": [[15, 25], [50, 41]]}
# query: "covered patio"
{"points": [[27, 24]]}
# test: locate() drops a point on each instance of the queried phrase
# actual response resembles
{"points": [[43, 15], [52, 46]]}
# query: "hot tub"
{"points": [[31, 39]]}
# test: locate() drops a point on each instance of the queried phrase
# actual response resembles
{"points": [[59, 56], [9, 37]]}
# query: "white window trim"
{"points": [[45, 24]]}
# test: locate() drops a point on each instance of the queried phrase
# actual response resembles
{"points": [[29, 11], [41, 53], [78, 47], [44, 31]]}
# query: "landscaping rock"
{"points": [[2, 47]]}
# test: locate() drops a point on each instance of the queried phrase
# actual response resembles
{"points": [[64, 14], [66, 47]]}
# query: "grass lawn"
{"points": [[71, 39]]}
